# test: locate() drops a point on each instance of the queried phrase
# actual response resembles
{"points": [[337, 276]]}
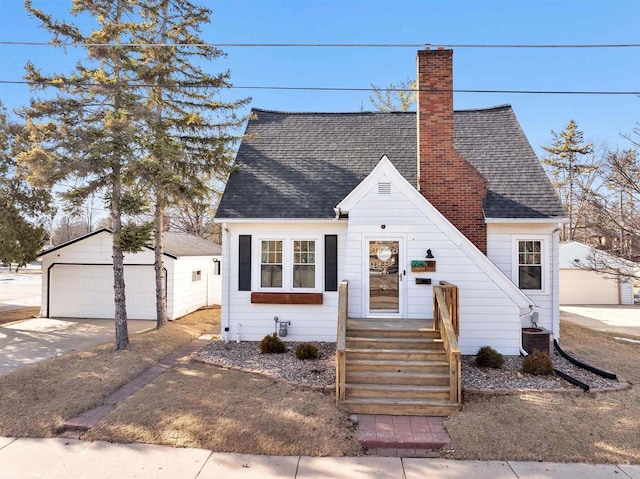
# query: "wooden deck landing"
{"points": [[393, 324]]}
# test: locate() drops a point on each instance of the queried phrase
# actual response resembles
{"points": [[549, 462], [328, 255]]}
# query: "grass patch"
{"points": [[594, 428], [19, 314], [36, 400], [228, 411]]}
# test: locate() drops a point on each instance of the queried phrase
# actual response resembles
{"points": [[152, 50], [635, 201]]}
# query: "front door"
{"points": [[385, 278]]}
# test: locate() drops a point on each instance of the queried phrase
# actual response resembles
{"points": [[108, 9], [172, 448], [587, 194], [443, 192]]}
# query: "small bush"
{"points": [[272, 344], [487, 357], [307, 351], [538, 363]]}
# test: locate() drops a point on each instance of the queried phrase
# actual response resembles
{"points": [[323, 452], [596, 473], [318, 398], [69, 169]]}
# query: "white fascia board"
{"points": [[274, 220], [555, 220], [385, 170]]}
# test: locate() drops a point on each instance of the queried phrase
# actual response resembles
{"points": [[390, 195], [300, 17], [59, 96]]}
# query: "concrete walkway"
{"points": [[68, 459]]}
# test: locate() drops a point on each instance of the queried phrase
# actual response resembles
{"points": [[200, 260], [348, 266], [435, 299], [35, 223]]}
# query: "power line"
{"points": [[325, 45], [363, 89]]}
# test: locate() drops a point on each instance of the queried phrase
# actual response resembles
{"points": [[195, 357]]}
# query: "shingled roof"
{"points": [[300, 165]]}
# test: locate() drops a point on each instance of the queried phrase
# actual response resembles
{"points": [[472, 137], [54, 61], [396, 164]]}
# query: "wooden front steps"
{"points": [[396, 367]]}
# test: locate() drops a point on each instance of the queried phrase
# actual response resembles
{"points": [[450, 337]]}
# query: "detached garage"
{"points": [[77, 277], [580, 286]]}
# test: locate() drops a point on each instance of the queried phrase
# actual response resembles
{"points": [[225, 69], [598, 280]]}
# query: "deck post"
{"points": [[343, 312]]}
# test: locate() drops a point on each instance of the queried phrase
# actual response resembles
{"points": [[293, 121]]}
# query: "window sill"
{"points": [[286, 298]]}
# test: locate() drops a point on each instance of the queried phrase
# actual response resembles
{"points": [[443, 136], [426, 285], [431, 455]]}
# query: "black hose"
{"points": [[572, 380], [579, 363]]}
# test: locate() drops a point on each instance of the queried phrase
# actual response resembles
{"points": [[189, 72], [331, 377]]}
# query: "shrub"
{"points": [[272, 344], [307, 351], [487, 357], [538, 363]]}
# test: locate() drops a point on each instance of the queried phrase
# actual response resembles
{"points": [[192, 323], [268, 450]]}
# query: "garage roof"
{"points": [[175, 244]]}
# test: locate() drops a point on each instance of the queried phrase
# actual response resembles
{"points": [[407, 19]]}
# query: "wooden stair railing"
{"points": [[445, 312], [343, 313]]}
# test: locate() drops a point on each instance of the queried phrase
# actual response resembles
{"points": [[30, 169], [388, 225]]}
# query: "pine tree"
{"points": [[566, 165], [23, 209], [191, 130], [399, 96], [88, 133]]}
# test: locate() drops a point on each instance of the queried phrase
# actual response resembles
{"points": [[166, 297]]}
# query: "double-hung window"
{"points": [[304, 264], [271, 264], [530, 274]]}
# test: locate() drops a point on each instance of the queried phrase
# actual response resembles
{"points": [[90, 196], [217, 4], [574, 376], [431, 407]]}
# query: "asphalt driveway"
{"points": [[615, 319], [28, 342]]}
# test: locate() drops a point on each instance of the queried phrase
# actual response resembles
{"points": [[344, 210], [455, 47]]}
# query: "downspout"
{"points": [[555, 298], [226, 293]]}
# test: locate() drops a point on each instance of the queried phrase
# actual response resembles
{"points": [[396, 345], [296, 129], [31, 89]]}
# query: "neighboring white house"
{"points": [[369, 197], [77, 277], [578, 285]]}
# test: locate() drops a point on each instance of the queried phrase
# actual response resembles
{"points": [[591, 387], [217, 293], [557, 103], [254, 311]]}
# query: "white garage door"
{"points": [[86, 291], [586, 287]]}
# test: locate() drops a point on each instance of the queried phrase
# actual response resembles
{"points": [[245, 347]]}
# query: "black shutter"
{"points": [[331, 262], [244, 263]]}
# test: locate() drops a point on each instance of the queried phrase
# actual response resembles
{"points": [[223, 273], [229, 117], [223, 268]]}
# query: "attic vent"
{"points": [[384, 188]]}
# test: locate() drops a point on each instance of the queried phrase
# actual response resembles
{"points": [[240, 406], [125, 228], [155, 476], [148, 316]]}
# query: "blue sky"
{"points": [[602, 118]]}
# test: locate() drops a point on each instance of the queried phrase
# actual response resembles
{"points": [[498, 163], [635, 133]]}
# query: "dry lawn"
{"points": [[36, 400], [595, 428], [19, 314], [197, 405]]}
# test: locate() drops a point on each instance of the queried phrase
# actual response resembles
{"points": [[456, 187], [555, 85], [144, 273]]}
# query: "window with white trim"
{"points": [[530, 274], [304, 264], [196, 276], [271, 264]]}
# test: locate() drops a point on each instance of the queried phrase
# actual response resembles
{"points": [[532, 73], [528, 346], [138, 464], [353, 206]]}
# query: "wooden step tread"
{"points": [[396, 362], [394, 340], [393, 351], [399, 402], [396, 387], [393, 374]]}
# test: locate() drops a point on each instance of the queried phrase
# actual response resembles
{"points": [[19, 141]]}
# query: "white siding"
{"points": [[487, 315], [254, 321], [188, 295], [502, 250]]}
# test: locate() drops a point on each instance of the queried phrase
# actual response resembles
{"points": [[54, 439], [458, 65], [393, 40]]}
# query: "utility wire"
{"points": [[311, 88], [324, 45]]}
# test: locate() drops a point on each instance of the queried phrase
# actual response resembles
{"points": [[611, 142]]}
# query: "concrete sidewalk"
{"points": [[68, 459]]}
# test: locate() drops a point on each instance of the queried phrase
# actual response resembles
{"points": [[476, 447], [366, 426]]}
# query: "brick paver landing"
{"points": [[402, 436]]}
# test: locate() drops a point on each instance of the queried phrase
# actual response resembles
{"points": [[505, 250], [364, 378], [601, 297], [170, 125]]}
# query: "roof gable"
{"points": [[386, 171], [301, 165]]}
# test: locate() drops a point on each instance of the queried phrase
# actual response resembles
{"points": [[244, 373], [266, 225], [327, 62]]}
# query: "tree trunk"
{"points": [[122, 333], [161, 295]]}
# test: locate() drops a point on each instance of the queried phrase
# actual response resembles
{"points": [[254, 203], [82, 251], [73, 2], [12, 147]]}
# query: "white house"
{"points": [[319, 198], [579, 284], [77, 277]]}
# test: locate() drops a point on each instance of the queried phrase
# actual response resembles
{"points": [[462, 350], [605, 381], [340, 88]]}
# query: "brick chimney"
{"points": [[445, 178]]}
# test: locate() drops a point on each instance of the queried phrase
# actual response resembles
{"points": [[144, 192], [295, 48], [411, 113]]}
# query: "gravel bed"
{"points": [[322, 371], [511, 375]]}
